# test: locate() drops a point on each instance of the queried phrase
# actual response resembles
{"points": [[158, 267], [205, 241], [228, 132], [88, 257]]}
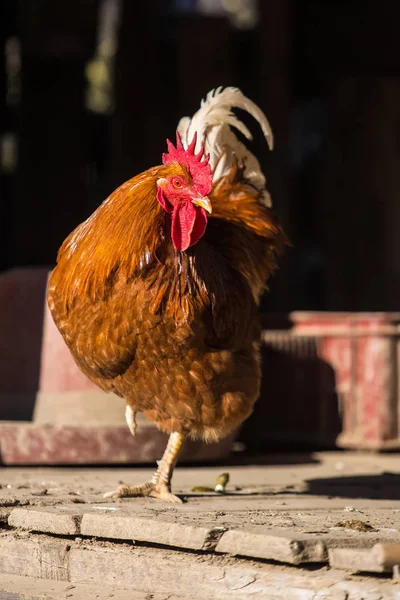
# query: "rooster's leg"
{"points": [[160, 484]]}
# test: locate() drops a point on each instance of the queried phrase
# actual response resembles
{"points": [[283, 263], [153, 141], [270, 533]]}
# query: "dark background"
{"points": [[90, 89]]}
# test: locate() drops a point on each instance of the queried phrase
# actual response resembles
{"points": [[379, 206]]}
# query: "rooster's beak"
{"points": [[203, 203]]}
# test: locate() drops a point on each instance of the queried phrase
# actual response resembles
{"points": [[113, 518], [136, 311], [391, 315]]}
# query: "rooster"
{"points": [[156, 293]]}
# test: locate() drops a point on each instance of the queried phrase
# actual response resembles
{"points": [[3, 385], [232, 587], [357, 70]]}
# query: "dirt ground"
{"points": [[278, 484]]}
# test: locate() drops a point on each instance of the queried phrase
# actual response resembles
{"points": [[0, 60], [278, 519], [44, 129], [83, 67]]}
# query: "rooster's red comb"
{"points": [[199, 169]]}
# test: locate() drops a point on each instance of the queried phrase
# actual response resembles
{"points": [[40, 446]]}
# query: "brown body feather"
{"points": [[175, 334]]}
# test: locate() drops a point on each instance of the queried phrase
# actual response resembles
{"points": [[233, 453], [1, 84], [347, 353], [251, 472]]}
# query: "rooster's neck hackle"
{"points": [[127, 237]]}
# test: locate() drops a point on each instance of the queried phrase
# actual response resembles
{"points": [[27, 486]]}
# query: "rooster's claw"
{"points": [[148, 489]]}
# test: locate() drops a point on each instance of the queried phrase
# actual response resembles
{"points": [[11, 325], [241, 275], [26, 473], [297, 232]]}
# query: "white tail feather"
{"points": [[214, 122]]}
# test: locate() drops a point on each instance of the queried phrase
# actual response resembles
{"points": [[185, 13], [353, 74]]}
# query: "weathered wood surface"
{"points": [[155, 531], [282, 548], [284, 539], [90, 522], [34, 556], [381, 558], [14, 587], [49, 520], [172, 574]]}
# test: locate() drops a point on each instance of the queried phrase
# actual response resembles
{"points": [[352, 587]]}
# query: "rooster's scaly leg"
{"points": [[160, 484]]}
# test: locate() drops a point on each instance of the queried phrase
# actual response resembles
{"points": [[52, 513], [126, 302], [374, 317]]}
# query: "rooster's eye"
{"points": [[177, 183]]}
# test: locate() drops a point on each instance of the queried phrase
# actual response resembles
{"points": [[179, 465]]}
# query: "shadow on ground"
{"points": [[385, 486]]}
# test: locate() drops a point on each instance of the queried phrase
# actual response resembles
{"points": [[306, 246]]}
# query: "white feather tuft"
{"points": [[214, 122]]}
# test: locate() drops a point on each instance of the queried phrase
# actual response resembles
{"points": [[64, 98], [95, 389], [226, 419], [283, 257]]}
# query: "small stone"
{"points": [[43, 492], [351, 509]]}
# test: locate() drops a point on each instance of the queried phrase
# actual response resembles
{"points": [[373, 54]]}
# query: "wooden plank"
{"points": [[49, 520], [154, 531], [180, 528], [198, 577], [295, 546], [34, 556], [83, 520], [273, 547], [169, 573], [14, 587], [379, 559]]}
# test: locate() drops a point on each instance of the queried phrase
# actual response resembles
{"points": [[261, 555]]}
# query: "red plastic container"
{"points": [[328, 379], [363, 350]]}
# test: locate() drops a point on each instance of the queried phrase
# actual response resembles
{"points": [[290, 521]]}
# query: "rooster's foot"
{"points": [[154, 490]]}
